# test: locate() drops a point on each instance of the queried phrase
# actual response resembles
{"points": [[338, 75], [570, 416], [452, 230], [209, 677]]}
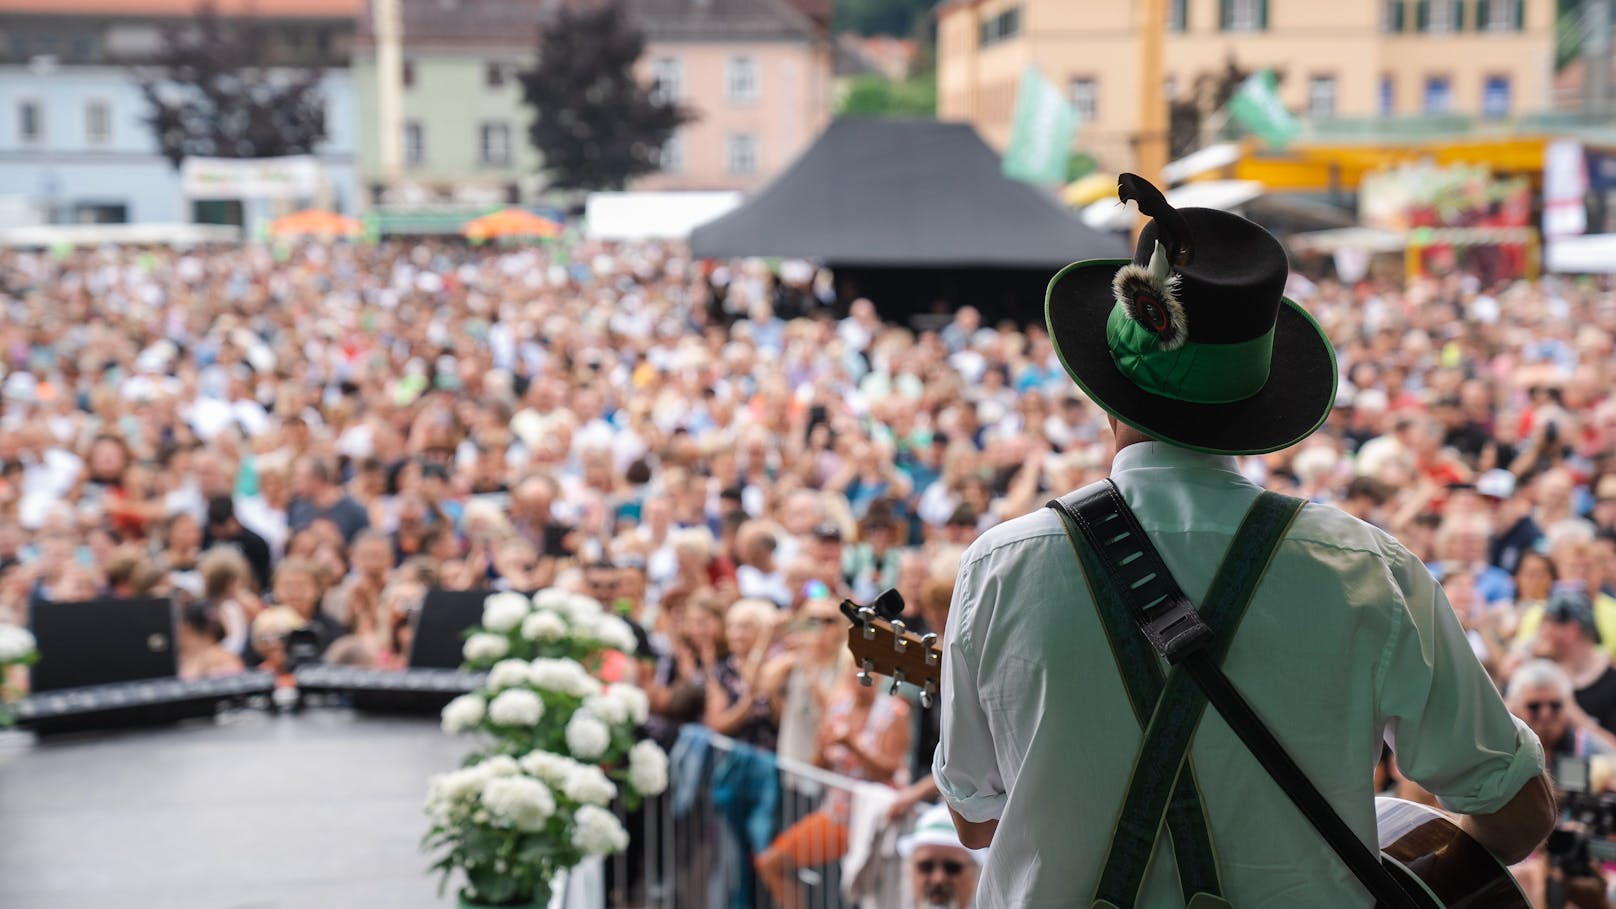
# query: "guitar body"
{"points": [[1431, 855], [1426, 851]]}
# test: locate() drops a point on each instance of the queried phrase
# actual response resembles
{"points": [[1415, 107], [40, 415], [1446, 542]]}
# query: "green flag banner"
{"points": [[1257, 107], [1041, 133]]}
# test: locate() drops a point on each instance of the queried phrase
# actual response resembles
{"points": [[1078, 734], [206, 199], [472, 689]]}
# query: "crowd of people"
{"points": [[313, 437]]}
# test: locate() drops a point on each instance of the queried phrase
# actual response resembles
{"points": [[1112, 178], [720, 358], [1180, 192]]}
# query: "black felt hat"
{"points": [[1193, 341]]}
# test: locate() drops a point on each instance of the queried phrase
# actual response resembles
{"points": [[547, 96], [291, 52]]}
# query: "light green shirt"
{"points": [[1348, 639]]}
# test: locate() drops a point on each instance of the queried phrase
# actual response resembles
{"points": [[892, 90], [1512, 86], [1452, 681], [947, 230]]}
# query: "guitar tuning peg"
{"points": [[928, 695], [864, 676], [898, 631], [867, 620], [897, 679], [929, 642]]}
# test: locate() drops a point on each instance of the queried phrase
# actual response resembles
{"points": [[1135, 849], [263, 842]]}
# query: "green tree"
{"points": [[880, 17], [595, 124], [210, 93], [878, 96]]}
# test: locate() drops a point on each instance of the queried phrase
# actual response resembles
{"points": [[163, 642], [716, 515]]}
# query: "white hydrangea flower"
{"points": [[483, 646], [587, 737], [500, 765], [648, 768], [633, 699], [507, 674], [588, 785], [596, 831], [463, 713], [522, 801], [544, 626], [552, 599], [553, 768], [610, 710], [16, 644], [502, 612], [565, 676], [582, 610], [613, 633], [516, 707]]}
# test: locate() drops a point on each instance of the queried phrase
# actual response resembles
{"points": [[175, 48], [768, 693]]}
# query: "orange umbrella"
{"points": [[314, 222], [510, 222]]}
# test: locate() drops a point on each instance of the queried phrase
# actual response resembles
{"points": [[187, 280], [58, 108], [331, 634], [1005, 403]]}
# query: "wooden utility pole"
{"points": [[1150, 143]]}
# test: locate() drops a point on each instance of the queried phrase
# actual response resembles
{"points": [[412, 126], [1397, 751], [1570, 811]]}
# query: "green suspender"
{"points": [[1169, 713]]}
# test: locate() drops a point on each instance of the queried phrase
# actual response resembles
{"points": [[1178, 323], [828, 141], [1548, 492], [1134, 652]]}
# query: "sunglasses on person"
{"points": [[1539, 706], [949, 866]]}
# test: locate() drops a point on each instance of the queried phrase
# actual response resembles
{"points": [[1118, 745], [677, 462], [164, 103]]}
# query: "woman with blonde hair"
{"points": [[737, 705]]}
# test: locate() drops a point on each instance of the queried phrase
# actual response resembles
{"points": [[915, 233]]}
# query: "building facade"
{"points": [[1342, 61], [74, 144], [757, 74]]}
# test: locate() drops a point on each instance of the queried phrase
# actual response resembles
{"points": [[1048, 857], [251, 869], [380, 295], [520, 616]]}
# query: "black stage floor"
{"points": [[320, 810]]}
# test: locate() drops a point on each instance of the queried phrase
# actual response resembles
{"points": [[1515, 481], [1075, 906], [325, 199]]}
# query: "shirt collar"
{"points": [[1141, 455]]}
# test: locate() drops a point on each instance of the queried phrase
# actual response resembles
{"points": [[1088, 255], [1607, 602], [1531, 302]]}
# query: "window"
{"points": [[494, 144], [414, 143], [742, 154], [1083, 99], [667, 80], [1438, 95], [1440, 16], [741, 80], [409, 74], [1002, 27], [1498, 15], [1178, 16], [1495, 97], [1243, 15], [1321, 97], [1388, 96], [494, 74], [30, 122], [97, 123], [1391, 15], [673, 154]]}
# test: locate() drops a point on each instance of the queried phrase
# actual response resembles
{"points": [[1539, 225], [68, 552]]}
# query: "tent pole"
{"points": [[1150, 149]]}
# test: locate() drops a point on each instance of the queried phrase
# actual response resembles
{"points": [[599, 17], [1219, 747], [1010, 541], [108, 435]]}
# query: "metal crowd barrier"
{"points": [[688, 851]]}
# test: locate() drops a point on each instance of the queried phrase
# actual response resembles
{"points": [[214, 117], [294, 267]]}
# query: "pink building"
{"points": [[757, 74]]}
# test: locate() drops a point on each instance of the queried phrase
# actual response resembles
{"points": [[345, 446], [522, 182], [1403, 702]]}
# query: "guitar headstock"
{"points": [[882, 645]]}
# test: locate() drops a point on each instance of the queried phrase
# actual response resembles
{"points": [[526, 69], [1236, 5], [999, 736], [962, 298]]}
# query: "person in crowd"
{"points": [[942, 872], [864, 736], [799, 682], [1569, 637], [228, 590], [297, 588], [736, 703], [679, 689], [318, 494], [224, 528], [201, 643]]}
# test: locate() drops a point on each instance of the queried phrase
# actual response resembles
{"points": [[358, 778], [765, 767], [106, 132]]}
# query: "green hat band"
{"points": [[1196, 372]]}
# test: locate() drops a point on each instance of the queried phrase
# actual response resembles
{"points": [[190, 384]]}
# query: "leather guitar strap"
{"points": [[1124, 570], [1170, 714]]}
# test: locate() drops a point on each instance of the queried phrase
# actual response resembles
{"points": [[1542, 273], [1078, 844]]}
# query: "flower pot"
{"points": [[540, 900]]}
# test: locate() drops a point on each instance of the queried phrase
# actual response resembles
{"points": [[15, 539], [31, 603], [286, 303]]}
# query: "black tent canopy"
{"points": [[903, 194]]}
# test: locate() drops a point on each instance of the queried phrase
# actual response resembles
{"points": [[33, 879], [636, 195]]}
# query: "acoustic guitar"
{"points": [[1433, 858]]}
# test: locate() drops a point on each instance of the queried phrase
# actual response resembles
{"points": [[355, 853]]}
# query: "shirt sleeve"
{"points": [[1444, 717], [965, 765]]}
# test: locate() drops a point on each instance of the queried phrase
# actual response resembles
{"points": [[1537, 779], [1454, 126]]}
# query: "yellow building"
{"points": [[1341, 59]]}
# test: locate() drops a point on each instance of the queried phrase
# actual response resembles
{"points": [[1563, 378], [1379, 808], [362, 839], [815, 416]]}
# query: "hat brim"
{"points": [[1300, 391]]}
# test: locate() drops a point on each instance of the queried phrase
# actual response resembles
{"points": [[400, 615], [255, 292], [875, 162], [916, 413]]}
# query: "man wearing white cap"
{"points": [[942, 872]]}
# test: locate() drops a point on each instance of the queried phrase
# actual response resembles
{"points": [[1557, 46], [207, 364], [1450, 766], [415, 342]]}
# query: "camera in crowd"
{"points": [[1585, 838]]}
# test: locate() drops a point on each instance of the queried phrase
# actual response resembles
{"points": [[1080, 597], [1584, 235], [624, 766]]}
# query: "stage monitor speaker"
{"points": [[102, 642], [439, 634]]}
